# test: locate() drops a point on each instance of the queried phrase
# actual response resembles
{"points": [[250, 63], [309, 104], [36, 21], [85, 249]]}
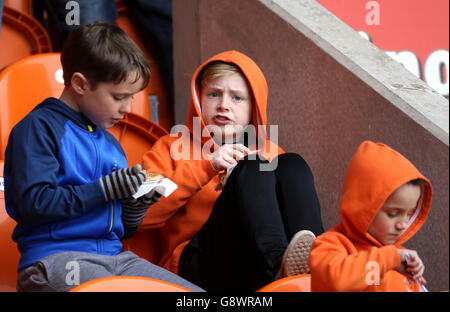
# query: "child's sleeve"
{"points": [[32, 193], [337, 266], [189, 175]]}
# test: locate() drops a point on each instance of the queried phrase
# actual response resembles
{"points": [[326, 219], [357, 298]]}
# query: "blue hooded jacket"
{"points": [[53, 162]]}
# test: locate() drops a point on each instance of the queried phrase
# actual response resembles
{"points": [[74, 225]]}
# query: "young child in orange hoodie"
{"points": [[384, 203], [232, 238]]}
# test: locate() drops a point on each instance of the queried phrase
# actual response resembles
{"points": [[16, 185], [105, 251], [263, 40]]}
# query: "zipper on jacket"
{"points": [[112, 217], [97, 153], [91, 130]]}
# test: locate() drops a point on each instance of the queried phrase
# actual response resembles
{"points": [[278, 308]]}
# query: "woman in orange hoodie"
{"points": [[232, 238], [385, 201]]}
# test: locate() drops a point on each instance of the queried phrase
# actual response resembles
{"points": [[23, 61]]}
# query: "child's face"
{"points": [[227, 104], [109, 102], [392, 219]]}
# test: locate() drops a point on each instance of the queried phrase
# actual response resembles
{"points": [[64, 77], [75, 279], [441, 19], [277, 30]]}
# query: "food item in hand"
{"points": [[150, 177]]}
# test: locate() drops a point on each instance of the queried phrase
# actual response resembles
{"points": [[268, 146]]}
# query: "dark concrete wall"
{"points": [[324, 102]]}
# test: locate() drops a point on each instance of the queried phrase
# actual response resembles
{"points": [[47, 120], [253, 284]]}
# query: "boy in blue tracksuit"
{"points": [[67, 183]]}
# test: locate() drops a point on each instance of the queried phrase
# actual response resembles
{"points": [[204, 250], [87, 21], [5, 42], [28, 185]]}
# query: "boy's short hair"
{"points": [[103, 52], [217, 69]]}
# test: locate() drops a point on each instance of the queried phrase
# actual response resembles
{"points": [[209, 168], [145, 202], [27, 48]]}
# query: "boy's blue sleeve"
{"points": [[32, 194]]}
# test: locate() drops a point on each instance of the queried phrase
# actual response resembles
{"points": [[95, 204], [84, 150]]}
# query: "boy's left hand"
{"points": [[144, 201], [134, 210]]}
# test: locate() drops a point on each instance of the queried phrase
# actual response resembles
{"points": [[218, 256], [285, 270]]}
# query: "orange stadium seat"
{"points": [[21, 35], [24, 6], [128, 284], [296, 283], [9, 261], [25, 84]]}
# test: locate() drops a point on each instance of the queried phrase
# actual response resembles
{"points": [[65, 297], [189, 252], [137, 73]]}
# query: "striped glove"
{"points": [[134, 210], [122, 183]]}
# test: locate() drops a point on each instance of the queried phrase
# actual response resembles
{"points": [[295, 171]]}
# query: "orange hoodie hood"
{"points": [[374, 173], [258, 86]]}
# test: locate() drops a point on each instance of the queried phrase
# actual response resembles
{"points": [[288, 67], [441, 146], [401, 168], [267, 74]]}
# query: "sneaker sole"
{"points": [[297, 253]]}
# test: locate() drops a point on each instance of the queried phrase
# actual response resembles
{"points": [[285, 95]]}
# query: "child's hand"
{"points": [[122, 183], [143, 202], [134, 210], [411, 265], [228, 154]]}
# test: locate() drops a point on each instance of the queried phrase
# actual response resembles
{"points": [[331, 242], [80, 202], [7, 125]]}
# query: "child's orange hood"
{"points": [[374, 173], [256, 81]]}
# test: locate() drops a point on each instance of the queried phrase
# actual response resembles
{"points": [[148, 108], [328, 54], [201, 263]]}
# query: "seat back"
{"points": [[23, 85], [296, 283], [21, 34], [9, 260], [128, 284], [24, 6]]}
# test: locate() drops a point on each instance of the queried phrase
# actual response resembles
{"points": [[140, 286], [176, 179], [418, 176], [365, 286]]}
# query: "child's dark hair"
{"points": [[103, 52]]}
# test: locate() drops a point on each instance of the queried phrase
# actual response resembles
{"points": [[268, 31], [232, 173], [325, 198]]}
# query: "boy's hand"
{"points": [[134, 210], [145, 200], [228, 154], [411, 265], [122, 183]]}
